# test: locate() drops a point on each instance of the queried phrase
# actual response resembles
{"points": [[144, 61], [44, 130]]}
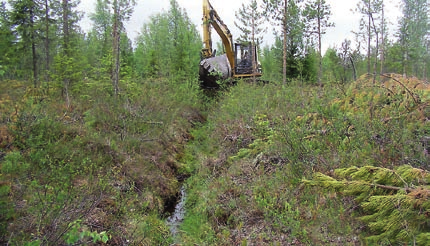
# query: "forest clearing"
{"points": [[101, 138]]}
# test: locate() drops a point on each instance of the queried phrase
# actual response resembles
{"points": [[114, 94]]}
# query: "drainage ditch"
{"points": [[174, 208], [177, 216]]}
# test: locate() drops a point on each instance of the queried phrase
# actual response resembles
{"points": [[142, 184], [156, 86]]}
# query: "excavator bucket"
{"points": [[213, 69]]}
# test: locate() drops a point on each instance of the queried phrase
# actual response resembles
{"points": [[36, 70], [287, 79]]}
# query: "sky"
{"points": [[343, 17]]}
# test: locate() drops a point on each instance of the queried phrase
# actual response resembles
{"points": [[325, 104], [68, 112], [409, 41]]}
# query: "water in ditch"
{"points": [[175, 220]]}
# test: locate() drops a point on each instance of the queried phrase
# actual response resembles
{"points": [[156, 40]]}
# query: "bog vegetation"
{"points": [[97, 135]]}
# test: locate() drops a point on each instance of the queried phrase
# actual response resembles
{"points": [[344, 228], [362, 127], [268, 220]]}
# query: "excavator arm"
{"points": [[211, 18]]}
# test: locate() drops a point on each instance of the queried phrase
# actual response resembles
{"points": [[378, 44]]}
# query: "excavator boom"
{"points": [[211, 18]]}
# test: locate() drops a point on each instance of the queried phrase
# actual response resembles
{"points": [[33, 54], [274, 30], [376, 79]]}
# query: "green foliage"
{"points": [[77, 234], [413, 37], [103, 162], [6, 207], [271, 62], [307, 67], [260, 142], [395, 202], [301, 67], [14, 164], [168, 48], [249, 21], [332, 66], [68, 72], [150, 230], [99, 168], [6, 41], [393, 58]]}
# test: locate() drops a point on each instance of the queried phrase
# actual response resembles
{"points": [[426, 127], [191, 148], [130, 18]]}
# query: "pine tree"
{"points": [[249, 21], [287, 15], [369, 30], [317, 15]]}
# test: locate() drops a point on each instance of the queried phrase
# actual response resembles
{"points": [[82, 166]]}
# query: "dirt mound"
{"points": [[392, 80]]}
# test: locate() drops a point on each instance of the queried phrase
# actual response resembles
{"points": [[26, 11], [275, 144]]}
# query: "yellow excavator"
{"points": [[239, 60]]}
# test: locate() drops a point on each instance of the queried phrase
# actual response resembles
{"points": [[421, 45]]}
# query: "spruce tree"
{"points": [[24, 18], [102, 25], [67, 63], [6, 41], [48, 35]]}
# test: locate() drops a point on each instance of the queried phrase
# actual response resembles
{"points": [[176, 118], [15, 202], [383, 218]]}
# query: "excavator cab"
{"points": [[244, 55]]}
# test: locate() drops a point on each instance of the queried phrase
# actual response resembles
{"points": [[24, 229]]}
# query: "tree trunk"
{"points": [[284, 44], [66, 80], [319, 44], [33, 45], [353, 68], [382, 38], [254, 65], [47, 41], [377, 48], [368, 38], [115, 51], [426, 62], [65, 7]]}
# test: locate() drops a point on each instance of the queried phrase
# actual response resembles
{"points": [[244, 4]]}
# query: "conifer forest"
{"points": [[108, 139]]}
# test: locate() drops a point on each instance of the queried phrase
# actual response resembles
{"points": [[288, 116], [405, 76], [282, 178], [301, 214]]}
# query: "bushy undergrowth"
{"points": [[103, 168], [261, 141], [97, 170]]}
